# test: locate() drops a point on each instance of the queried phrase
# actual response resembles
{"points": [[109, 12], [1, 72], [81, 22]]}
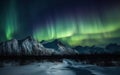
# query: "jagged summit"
{"points": [[52, 44], [28, 38], [30, 46], [60, 46]]}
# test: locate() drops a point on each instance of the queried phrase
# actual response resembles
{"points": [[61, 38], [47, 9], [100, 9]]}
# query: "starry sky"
{"points": [[75, 22]]}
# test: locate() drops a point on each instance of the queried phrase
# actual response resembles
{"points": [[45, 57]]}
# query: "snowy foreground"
{"points": [[67, 67]]}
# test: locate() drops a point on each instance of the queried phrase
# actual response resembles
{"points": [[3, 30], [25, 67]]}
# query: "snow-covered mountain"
{"points": [[30, 46], [9, 47], [60, 47], [109, 49], [27, 46], [89, 50]]}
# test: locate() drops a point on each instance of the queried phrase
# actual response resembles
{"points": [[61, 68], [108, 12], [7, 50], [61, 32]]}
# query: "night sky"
{"points": [[75, 22]]}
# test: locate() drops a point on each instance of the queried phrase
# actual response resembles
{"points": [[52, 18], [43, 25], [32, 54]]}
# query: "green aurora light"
{"points": [[11, 21], [87, 24], [79, 30]]}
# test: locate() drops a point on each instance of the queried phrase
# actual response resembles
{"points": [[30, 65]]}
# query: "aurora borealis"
{"points": [[75, 22], [11, 20]]}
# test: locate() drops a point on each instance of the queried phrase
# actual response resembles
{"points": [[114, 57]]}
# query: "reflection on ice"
{"points": [[66, 67]]}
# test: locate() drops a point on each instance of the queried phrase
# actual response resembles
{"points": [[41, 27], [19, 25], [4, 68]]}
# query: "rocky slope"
{"points": [[30, 46]]}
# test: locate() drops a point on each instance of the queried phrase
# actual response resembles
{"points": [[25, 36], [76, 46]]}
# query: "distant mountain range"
{"points": [[30, 46]]}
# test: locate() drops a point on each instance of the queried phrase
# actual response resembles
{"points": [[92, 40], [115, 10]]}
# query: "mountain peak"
{"points": [[29, 38], [56, 41], [52, 44]]}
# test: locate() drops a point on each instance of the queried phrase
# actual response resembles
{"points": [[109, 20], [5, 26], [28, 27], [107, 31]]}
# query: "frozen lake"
{"points": [[66, 67]]}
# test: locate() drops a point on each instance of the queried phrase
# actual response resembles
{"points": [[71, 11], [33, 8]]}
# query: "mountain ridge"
{"points": [[30, 46]]}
